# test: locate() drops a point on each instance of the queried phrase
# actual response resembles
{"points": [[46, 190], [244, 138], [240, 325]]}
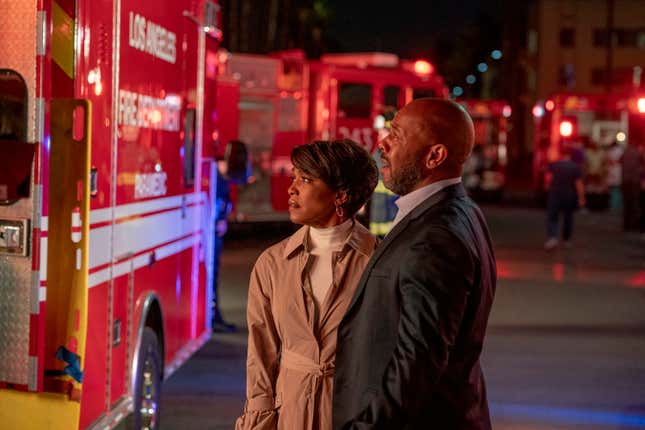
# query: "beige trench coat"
{"points": [[290, 363]]}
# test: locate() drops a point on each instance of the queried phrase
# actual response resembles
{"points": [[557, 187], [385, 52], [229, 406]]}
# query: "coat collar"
{"points": [[360, 239], [452, 191]]}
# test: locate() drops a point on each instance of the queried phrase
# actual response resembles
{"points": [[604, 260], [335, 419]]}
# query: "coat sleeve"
{"points": [[434, 283], [262, 401]]}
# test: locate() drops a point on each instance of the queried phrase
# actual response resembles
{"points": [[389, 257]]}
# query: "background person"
{"points": [[565, 193], [632, 169], [300, 288]]}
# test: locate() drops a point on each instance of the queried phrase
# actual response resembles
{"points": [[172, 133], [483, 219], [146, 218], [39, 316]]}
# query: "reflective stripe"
{"points": [[380, 228], [380, 188]]}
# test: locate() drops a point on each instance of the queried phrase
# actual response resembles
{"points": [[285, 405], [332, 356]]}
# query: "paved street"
{"points": [[565, 347]]}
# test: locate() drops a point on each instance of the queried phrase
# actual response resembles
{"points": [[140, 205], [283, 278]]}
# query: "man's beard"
{"points": [[406, 177]]}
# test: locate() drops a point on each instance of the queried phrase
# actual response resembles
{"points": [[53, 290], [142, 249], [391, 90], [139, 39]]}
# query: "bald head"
{"points": [[443, 122]]}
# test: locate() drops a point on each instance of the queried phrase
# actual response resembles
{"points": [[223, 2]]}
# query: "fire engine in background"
{"points": [[286, 100], [585, 123], [485, 171], [106, 195]]}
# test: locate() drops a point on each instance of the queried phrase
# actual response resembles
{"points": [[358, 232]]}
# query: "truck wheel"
{"points": [[147, 392]]}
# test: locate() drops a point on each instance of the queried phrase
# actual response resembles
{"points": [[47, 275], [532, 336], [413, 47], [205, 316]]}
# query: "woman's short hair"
{"points": [[343, 165]]}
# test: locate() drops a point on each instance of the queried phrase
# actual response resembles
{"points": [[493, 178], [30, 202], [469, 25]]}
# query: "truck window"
{"points": [[419, 93], [354, 100], [16, 154], [13, 107], [391, 96], [189, 147]]}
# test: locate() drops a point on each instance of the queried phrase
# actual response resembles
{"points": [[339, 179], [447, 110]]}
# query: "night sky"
{"points": [[454, 35]]}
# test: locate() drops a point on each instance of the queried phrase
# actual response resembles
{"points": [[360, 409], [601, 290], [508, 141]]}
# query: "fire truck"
{"points": [[106, 193], [286, 100], [485, 171], [582, 121]]}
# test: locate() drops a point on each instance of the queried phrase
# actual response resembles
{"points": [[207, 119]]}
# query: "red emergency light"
{"points": [[640, 104], [566, 128], [549, 105], [423, 67]]}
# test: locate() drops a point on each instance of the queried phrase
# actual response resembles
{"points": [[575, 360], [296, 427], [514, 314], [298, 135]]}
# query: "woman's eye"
{"points": [[306, 180]]}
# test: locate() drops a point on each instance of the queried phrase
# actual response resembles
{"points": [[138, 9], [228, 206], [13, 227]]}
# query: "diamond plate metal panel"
{"points": [[15, 292], [18, 52], [18, 32]]}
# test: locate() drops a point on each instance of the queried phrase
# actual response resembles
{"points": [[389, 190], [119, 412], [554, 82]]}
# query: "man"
{"points": [[409, 345], [633, 168], [565, 193]]}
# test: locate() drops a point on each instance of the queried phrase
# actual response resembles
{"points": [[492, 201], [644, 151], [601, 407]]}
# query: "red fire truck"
{"points": [[485, 171], [106, 194], [285, 101], [578, 120]]}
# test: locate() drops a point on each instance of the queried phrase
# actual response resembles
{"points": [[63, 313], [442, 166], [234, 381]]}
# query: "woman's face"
{"points": [[311, 201]]}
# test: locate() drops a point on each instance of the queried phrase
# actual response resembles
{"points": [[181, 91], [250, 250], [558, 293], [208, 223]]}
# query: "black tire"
{"points": [[147, 390]]}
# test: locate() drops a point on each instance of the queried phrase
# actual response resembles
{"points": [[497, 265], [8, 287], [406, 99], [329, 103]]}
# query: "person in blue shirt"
{"points": [[565, 193]]}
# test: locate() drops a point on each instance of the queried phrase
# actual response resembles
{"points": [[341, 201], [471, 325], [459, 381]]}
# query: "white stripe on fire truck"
{"points": [[156, 205], [142, 260], [43, 258], [134, 234], [135, 209]]}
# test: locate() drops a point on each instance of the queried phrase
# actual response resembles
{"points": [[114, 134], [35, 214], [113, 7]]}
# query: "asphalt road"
{"points": [[565, 347]]}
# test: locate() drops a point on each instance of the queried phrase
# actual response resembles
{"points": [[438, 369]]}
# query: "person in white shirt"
{"points": [[300, 288]]}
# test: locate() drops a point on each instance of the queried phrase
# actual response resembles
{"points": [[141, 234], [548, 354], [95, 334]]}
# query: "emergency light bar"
{"points": [[362, 60], [422, 67]]}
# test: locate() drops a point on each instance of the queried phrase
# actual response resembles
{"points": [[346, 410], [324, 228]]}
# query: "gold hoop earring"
{"points": [[340, 212]]}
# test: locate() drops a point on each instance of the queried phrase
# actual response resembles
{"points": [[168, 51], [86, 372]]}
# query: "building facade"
{"points": [[581, 46]]}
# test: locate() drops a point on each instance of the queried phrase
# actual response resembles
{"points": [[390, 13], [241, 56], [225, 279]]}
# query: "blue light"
{"points": [[457, 91], [559, 415], [482, 67], [471, 79], [496, 54]]}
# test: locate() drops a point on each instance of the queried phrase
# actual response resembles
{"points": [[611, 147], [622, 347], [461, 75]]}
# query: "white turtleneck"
{"points": [[323, 243]]}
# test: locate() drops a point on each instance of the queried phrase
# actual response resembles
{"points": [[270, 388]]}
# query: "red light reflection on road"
{"points": [[558, 272], [503, 271], [638, 280]]}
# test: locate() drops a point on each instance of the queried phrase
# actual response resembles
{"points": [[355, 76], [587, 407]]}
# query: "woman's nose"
{"points": [[292, 189]]}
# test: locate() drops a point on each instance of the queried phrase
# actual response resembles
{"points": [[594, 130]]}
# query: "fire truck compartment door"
{"points": [[68, 244]]}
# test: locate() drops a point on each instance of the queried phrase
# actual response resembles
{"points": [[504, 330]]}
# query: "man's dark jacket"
{"points": [[408, 347]]}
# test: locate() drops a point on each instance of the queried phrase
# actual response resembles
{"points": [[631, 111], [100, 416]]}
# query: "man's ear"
{"points": [[436, 155]]}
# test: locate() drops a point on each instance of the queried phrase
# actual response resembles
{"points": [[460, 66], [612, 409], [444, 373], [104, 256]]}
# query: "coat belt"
{"points": [[318, 371], [294, 361]]}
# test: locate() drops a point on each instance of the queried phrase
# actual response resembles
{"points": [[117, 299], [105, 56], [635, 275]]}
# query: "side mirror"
{"points": [[237, 162]]}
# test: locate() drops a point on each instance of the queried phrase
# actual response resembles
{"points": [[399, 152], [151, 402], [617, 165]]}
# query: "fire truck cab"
{"points": [[588, 124], [106, 199], [286, 100]]}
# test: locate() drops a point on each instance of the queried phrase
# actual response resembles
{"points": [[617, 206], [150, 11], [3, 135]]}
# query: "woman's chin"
{"points": [[294, 218]]}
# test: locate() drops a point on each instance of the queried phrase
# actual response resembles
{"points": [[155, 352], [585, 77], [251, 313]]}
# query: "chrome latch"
{"points": [[14, 235]]}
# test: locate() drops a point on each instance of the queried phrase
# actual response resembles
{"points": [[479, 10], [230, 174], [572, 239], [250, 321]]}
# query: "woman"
{"points": [[301, 287]]}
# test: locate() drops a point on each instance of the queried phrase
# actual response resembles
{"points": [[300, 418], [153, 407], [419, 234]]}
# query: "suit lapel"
{"points": [[456, 190]]}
